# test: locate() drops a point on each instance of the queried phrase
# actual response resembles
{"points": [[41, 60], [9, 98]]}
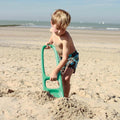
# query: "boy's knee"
{"points": [[66, 78]]}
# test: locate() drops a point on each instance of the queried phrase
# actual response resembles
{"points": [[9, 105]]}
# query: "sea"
{"points": [[74, 25]]}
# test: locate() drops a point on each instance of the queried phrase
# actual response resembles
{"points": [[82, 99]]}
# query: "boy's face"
{"points": [[58, 32]]}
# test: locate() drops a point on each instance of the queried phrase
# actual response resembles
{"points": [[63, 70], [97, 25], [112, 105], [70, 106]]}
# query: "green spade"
{"points": [[56, 92]]}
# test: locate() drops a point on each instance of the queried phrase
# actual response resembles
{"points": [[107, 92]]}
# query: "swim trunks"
{"points": [[72, 61]]}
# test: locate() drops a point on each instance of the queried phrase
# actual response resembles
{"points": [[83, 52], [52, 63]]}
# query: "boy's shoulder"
{"points": [[66, 36]]}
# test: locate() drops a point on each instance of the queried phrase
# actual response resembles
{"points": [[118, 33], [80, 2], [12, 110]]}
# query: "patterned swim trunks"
{"points": [[72, 62]]}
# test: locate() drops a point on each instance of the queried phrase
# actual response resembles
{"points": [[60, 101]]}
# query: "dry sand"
{"points": [[95, 87]]}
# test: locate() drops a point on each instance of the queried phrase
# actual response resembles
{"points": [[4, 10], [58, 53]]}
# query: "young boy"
{"points": [[64, 45]]}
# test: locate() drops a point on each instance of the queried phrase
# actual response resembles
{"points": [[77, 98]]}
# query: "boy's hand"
{"points": [[47, 45], [53, 76]]}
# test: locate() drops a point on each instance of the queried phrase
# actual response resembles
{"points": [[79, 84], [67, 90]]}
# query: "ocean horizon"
{"points": [[73, 25]]}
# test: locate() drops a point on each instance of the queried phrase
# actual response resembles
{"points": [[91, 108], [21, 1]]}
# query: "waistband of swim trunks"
{"points": [[73, 54]]}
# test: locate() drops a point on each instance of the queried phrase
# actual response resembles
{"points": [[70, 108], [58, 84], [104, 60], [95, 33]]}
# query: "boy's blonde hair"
{"points": [[61, 18]]}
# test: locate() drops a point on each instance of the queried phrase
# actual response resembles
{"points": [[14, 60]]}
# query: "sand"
{"points": [[95, 87]]}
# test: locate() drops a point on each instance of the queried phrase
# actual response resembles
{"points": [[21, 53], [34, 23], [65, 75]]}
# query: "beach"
{"points": [[95, 87]]}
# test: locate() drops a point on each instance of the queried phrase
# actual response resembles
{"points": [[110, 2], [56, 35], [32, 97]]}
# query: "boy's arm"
{"points": [[50, 42], [51, 39], [64, 56], [63, 61]]}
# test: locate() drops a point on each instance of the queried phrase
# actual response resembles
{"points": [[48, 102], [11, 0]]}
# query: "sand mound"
{"points": [[72, 109], [59, 109], [41, 97]]}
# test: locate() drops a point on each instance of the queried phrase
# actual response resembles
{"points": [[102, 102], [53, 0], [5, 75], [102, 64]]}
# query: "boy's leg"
{"points": [[66, 81]]}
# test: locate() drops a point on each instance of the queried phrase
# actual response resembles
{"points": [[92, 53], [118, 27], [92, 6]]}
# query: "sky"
{"points": [[80, 10]]}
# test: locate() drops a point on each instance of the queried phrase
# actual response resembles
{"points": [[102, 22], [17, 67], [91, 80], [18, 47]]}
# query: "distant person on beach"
{"points": [[64, 45]]}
